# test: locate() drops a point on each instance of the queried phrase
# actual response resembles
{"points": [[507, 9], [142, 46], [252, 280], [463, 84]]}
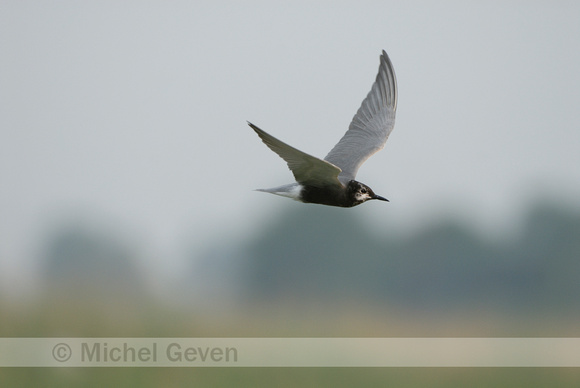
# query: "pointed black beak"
{"points": [[380, 198]]}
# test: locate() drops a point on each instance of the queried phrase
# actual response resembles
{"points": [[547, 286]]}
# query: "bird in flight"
{"points": [[331, 181]]}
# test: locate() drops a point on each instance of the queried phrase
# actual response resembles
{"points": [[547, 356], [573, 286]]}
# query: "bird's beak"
{"points": [[380, 198]]}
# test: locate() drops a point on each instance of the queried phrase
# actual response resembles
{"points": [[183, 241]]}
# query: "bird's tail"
{"points": [[291, 190]]}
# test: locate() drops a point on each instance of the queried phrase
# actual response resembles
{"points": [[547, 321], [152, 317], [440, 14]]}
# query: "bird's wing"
{"points": [[307, 169], [370, 127]]}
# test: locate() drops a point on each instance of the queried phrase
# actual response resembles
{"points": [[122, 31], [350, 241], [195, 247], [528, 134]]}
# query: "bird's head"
{"points": [[359, 193]]}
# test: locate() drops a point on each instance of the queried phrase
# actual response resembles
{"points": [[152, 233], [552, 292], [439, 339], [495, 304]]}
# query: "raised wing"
{"points": [[307, 169], [370, 127]]}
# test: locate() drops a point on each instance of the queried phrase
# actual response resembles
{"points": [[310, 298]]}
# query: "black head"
{"points": [[359, 193]]}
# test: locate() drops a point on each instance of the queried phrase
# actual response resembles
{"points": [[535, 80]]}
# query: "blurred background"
{"points": [[127, 173]]}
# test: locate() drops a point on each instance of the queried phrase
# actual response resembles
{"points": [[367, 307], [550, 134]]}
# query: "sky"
{"points": [[132, 114]]}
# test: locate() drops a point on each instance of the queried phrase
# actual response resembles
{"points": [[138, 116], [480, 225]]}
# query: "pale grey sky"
{"points": [[133, 113]]}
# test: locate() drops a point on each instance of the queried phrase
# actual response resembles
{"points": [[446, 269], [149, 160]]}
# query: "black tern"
{"points": [[331, 181]]}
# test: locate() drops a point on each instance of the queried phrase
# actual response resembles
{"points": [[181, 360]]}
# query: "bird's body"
{"points": [[331, 181], [331, 195]]}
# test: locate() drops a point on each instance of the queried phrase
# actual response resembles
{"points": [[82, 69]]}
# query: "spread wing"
{"points": [[307, 169], [370, 127]]}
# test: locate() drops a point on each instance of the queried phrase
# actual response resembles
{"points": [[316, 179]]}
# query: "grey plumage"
{"points": [[370, 127], [331, 181], [307, 169]]}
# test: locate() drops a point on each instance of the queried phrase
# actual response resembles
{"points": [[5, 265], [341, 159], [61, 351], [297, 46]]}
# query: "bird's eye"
{"points": [[363, 190]]}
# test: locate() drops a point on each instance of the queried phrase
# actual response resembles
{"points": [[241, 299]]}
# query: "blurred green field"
{"points": [[290, 377], [444, 281], [65, 316]]}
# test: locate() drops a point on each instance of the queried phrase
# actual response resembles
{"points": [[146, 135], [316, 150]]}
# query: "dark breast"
{"points": [[331, 196]]}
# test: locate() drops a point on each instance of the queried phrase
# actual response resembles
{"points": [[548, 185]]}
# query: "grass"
{"points": [[66, 316]]}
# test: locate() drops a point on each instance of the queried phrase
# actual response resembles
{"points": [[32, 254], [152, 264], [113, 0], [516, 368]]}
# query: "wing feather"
{"points": [[307, 169], [371, 126]]}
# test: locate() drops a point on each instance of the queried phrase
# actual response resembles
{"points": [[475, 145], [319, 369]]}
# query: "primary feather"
{"points": [[371, 126]]}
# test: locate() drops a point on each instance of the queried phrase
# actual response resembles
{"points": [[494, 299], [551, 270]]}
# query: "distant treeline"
{"points": [[317, 253], [320, 254]]}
